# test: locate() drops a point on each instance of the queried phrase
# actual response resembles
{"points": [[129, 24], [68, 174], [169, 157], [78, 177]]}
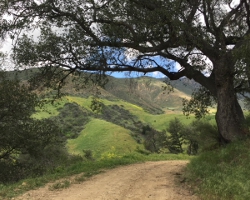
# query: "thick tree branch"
{"points": [[229, 15], [248, 13]]}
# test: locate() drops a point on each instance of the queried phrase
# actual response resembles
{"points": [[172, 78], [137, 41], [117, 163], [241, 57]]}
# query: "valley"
{"points": [[124, 109]]}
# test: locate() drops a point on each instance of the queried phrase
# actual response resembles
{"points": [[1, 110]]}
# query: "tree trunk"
{"points": [[229, 117]]}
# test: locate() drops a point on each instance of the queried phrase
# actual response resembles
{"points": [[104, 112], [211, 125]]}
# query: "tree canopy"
{"points": [[203, 36], [25, 143]]}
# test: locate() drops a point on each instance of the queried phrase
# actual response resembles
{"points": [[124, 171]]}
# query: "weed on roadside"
{"points": [[60, 185]]}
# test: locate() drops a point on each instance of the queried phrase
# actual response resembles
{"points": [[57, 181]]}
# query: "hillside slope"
{"points": [[127, 106], [150, 93], [154, 95]]}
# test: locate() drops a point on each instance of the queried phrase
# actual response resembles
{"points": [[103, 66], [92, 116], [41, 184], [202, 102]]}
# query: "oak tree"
{"points": [[203, 36]]}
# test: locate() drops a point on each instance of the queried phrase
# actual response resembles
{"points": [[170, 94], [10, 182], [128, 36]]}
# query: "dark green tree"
{"points": [[202, 36], [175, 140], [22, 138], [191, 139], [153, 140]]}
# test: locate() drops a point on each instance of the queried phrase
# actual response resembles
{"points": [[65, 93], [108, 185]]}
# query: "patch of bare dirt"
{"points": [[150, 180]]}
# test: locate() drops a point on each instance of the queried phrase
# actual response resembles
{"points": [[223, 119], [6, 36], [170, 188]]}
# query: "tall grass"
{"points": [[223, 173]]}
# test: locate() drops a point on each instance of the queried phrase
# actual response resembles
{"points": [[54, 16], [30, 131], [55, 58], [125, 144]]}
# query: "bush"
{"points": [[206, 135], [154, 139], [88, 154], [72, 119]]}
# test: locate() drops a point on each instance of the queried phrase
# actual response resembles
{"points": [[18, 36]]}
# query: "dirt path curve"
{"points": [[150, 180]]}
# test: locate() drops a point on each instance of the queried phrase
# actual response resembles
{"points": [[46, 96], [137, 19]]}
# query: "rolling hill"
{"points": [[127, 105], [154, 95]]}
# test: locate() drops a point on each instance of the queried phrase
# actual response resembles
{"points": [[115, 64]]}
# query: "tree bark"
{"points": [[229, 117]]}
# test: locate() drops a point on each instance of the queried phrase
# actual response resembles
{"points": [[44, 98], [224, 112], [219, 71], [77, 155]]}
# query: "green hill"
{"points": [[127, 105], [150, 93], [104, 139], [115, 131]]}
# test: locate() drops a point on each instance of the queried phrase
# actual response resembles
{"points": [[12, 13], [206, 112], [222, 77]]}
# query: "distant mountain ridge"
{"points": [[154, 95]]}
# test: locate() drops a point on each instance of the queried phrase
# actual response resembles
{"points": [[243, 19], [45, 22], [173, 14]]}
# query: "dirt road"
{"points": [[150, 180]]}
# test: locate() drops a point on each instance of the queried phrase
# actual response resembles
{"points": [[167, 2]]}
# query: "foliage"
{"points": [[99, 37], [153, 139], [175, 140], [72, 119], [205, 134], [198, 136], [27, 146], [122, 117], [243, 68], [198, 105], [96, 105], [88, 154]]}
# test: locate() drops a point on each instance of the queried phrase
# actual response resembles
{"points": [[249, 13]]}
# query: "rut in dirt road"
{"points": [[150, 180]]}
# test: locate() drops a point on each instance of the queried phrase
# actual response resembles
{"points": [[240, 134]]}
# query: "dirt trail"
{"points": [[150, 180]]}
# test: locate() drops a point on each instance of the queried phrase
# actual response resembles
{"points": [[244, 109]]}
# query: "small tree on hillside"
{"points": [[191, 139], [154, 140], [175, 139]]}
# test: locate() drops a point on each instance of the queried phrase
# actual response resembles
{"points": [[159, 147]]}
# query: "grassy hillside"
{"points": [[116, 130], [222, 173], [104, 139], [128, 105], [154, 95]]}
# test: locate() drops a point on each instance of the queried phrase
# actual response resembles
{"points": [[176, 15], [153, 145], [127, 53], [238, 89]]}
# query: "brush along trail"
{"points": [[151, 180]]}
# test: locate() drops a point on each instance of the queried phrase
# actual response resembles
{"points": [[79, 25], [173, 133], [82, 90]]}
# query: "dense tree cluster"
{"points": [[196, 137]]}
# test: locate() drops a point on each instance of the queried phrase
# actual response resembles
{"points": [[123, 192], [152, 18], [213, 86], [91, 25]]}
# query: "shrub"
{"points": [[154, 139], [88, 154]]}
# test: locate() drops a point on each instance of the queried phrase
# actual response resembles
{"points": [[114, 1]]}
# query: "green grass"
{"points": [[223, 173], [161, 122], [83, 102], [49, 109], [104, 139]]}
